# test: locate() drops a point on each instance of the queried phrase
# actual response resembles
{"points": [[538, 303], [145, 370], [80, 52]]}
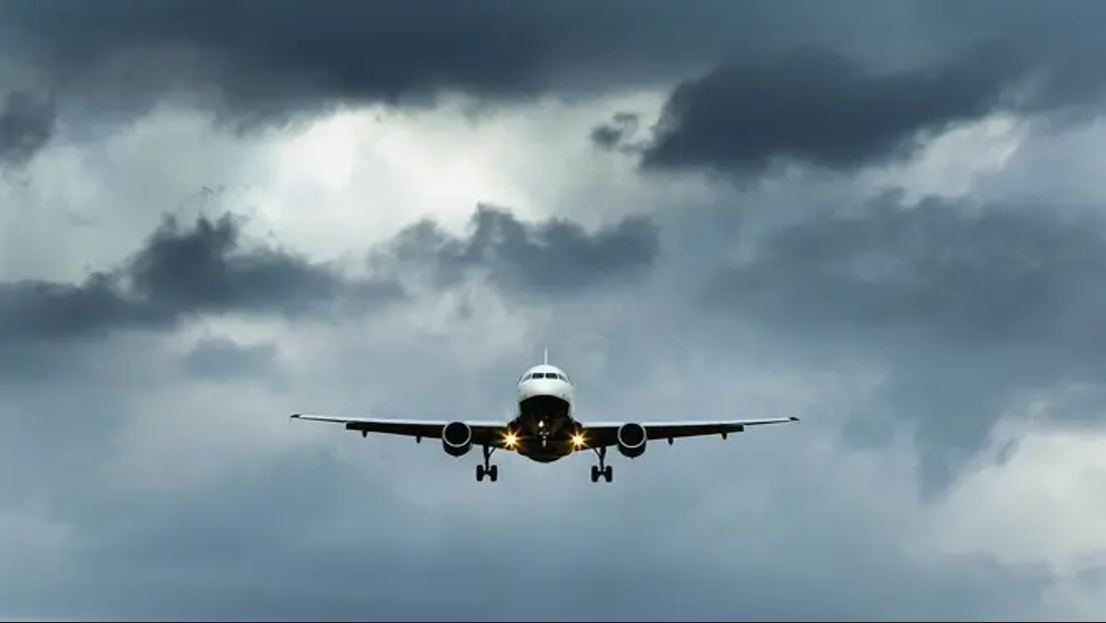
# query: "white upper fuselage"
{"points": [[546, 380]]}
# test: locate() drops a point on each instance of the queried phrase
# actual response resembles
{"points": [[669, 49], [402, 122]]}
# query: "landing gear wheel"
{"points": [[604, 470], [487, 469]]}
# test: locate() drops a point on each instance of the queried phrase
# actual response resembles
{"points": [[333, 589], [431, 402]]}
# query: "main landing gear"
{"points": [[491, 471], [607, 472]]}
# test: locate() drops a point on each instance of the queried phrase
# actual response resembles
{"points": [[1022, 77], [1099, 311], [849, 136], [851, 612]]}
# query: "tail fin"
{"points": [[546, 358]]}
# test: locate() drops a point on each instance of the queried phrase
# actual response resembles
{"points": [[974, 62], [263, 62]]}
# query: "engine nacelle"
{"points": [[631, 439], [456, 438]]}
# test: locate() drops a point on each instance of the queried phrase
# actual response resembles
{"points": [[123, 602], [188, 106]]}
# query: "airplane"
{"points": [[544, 428]]}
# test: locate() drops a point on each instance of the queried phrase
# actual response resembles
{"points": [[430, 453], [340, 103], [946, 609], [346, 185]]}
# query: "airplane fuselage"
{"points": [[544, 424]]}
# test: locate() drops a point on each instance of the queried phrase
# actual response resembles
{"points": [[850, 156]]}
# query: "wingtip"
{"points": [[793, 418], [295, 416]]}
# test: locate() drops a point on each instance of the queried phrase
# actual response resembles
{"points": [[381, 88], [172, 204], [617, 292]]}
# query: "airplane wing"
{"points": [[490, 433], [606, 433]]}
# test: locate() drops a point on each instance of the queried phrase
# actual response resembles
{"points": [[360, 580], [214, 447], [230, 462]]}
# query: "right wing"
{"points": [[606, 433], [489, 433]]}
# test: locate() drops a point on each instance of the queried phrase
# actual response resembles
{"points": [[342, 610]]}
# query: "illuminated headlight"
{"points": [[510, 440], [578, 440]]}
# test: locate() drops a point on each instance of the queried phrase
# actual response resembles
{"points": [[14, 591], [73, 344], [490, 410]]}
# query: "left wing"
{"points": [[490, 433], [606, 433]]}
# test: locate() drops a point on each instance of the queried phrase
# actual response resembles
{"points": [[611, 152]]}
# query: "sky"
{"points": [[886, 218]]}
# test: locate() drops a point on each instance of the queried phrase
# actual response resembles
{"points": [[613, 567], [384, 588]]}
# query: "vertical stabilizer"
{"points": [[545, 359]]}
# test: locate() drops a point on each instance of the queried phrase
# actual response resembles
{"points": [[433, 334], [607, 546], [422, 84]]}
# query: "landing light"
{"points": [[510, 440], [578, 440]]}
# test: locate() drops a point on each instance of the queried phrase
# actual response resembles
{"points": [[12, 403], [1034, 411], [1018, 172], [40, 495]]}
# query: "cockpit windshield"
{"points": [[545, 375]]}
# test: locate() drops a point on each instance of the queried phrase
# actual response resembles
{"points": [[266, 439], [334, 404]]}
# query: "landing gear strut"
{"points": [[491, 471], [607, 472]]}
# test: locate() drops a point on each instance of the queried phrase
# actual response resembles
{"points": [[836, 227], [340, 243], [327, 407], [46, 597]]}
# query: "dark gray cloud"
{"points": [[831, 104], [202, 269], [616, 133], [179, 272], [258, 58], [817, 107], [912, 66], [621, 134], [965, 306], [251, 59], [26, 124], [552, 257], [206, 268]]}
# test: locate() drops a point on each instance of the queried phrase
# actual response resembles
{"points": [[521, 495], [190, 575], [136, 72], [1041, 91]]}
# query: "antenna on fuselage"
{"points": [[545, 359]]}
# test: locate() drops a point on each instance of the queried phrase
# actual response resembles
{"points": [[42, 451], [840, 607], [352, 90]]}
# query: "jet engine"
{"points": [[456, 438], [631, 439]]}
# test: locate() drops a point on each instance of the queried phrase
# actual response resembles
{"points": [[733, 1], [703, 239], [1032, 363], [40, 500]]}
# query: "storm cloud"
{"points": [[26, 124], [253, 59], [207, 269], [819, 108], [843, 108], [179, 272], [617, 132], [553, 257]]}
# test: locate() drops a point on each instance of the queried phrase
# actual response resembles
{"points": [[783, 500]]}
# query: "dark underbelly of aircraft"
{"points": [[544, 428]]}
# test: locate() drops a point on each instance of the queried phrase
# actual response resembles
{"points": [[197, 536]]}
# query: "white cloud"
{"points": [[1043, 504], [329, 187], [954, 163], [1034, 499], [1056, 164], [91, 202]]}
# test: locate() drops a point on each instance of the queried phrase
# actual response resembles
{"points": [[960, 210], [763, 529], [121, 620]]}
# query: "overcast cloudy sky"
{"points": [[887, 218]]}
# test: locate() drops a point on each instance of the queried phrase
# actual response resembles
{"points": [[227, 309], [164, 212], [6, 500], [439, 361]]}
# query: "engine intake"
{"points": [[631, 439], [456, 438]]}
